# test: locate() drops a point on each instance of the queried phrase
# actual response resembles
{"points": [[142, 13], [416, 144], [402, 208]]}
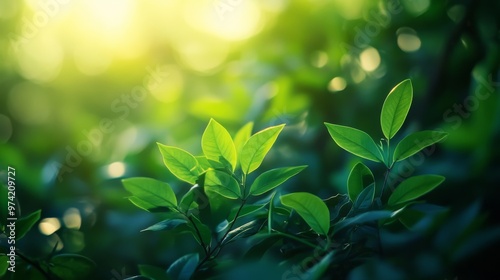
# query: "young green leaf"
{"points": [[144, 205], [246, 210], [355, 141], [273, 178], [359, 177], [166, 225], [414, 187], [395, 108], [416, 142], [216, 143], [223, 184], [311, 208], [184, 267], [181, 164], [242, 137], [365, 217], [188, 200], [151, 191], [24, 224], [200, 230], [365, 197], [71, 266], [257, 147]]}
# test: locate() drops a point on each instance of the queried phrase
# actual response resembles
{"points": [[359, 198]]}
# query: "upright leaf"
{"points": [[222, 183], [180, 163], [273, 178], [355, 141], [257, 147], [365, 198], [395, 108], [154, 192], [416, 142], [242, 137], [359, 177], [24, 224], [184, 267], [414, 187], [216, 143], [311, 208]]}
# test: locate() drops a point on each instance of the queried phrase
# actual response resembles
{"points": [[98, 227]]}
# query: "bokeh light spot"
{"points": [[337, 84], [408, 41], [72, 218], [49, 225], [116, 169], [417, 7], [370, 59]]}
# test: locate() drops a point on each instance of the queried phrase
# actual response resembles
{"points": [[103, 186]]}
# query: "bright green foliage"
{"points": [[24, 224], [359, 178], [395, 108], [155, 193], [181, 163], [355, 141], [257, 147], [416, 142], [273, 178], [311, 208], [216, 143], [414, 187], [223, 184], [242, 136]]}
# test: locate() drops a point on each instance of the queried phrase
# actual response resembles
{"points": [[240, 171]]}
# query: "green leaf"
{"points": [[362, 218], [166, 225], [416, 142], [184, 267], [242, 137], [246, 210], [71, 266], [395, 108], [24, 224], [203, 162], [188, 200], [414, 187], [144, 205], [365, 198], [155, 193], [181, 164], [355, 141], [3, 264], [200, 229], [216, 143], [153, 272], [359, 177], [311, 208], [222, 183], [273, 178], [256, 148], [318, 270]]}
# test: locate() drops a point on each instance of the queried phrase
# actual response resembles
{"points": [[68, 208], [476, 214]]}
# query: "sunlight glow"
{"points": [[370, 59], [408, 41], [337, 84], [49, 225], [116, 169], [72, 218]]}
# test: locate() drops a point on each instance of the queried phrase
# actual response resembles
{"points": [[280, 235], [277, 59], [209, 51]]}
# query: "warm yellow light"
{"points": [[49, 225], [337, 84], [408, 41], [319, 59], [370, 59], [116, 169], [72, 218]]}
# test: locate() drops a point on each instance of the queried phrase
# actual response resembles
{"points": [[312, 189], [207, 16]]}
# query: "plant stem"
{"points": [[296, 239], [207, 251], [385, 182], [35, 264]]}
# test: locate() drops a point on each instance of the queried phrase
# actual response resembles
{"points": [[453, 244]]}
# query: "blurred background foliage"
{"points": [[87, 88]]}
